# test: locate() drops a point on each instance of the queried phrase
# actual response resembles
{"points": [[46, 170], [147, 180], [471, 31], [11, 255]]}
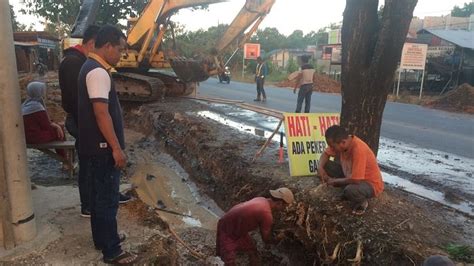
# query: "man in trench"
{"points": [[355, 168], [234, 227]]}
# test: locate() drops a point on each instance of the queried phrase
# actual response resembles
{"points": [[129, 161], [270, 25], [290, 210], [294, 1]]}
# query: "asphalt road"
{"points": [[427, 128]]}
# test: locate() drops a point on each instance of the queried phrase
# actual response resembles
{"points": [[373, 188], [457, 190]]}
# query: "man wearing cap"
{"points": [[234, 227]]}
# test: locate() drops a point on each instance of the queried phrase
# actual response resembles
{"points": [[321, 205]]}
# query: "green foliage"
{"points": [[292, 65], [460, 253], [464, 11], [62, 14]]}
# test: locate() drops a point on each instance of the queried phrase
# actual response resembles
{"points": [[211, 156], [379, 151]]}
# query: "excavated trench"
{"points": [[319, 229]]}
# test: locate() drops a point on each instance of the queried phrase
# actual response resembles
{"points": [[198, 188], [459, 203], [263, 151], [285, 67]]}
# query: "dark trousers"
{"points": [[104, 179], [260, 89], [304, 94], [83, 182], [355, 193]]}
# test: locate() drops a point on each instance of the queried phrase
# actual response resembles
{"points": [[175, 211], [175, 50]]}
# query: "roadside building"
{"points": [[36, 46]]}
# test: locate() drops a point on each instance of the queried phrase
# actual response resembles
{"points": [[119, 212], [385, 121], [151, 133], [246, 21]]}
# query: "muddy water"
{"points": [[162, 183], [440, 171]]}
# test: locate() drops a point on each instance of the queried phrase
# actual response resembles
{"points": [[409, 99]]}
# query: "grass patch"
{"points": [[460, 253]]}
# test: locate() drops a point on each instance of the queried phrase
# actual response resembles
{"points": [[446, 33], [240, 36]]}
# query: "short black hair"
{"points": [[90, 33], [336, 133], [108, 34]]}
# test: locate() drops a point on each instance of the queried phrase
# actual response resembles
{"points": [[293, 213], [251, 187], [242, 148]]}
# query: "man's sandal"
{"points": [[122, 238], [125, 258], [361, 208]]}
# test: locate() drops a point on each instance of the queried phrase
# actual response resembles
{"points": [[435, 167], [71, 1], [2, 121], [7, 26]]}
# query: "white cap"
{"points": [[284, 194]]}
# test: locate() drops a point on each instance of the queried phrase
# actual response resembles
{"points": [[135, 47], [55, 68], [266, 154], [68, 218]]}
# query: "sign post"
{"points": [[251, 51], [305, 140], [413, 57]]}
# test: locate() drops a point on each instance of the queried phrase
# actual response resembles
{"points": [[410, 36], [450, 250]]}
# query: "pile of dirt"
{"points": [[397, 229], [323, 84], [460, 99]]}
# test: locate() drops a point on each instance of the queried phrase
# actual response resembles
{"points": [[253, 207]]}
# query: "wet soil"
{"points": [[398, 229]]}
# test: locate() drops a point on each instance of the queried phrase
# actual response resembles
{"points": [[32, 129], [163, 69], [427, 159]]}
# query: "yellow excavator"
{"points": [[144, 71]]}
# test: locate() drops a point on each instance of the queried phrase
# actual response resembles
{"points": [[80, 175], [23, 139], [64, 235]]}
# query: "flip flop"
{"points": [[125, 258], [361, 208]]}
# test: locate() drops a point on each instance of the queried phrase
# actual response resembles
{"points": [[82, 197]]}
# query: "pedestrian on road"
{"points": [[102, 141], [74, 58], [305, 81], [356, 170], [261, 72], [234, 227]]}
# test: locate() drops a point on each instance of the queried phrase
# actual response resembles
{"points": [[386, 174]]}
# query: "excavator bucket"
{"points": [[190, 70]]}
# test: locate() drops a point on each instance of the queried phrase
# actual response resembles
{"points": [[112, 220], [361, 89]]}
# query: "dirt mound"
{"points": [[323, 84], [460, 99]]}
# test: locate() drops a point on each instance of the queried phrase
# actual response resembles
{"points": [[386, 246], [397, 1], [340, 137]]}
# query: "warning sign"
{"points": [[413, 56], [251, 50], [305, 140]]}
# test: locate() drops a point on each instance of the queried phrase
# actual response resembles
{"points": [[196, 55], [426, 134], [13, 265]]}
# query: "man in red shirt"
{"points": [[234, 227], [355, 169]]}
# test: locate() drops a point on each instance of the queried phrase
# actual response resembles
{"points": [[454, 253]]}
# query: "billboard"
{"points": [[251, 50], [305, 140], [413, 56]]}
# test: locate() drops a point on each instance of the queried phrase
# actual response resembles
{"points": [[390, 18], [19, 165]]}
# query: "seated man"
{"points": [[358, 171], [234, 227]]}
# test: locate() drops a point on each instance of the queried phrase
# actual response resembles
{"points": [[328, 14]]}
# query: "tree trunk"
{"points": [[371, 50]]}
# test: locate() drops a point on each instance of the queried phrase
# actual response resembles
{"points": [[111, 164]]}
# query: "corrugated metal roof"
{"points": [[462, 38]]}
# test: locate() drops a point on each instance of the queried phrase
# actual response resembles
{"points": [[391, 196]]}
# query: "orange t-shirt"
{"points": [[359, 163]]}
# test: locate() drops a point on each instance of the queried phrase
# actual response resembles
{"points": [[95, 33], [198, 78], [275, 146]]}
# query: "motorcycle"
{"points": [[225, 76]]}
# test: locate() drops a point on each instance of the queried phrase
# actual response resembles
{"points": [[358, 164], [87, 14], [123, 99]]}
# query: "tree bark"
{"points": [[371, 50]]}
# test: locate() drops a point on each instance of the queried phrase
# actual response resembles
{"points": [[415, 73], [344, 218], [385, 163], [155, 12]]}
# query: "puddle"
{"points": [[243, 127], [160, 181], [437, 196]]}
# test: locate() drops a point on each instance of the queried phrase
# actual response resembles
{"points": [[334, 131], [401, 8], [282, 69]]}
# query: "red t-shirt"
{"points": [[38, 128], [246, 217], [359, 163]]}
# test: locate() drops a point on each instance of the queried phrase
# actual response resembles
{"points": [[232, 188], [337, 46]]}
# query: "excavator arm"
{"points": [[250, 16]]}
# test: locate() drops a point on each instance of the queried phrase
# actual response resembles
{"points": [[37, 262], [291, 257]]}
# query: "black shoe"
{"points": [[256, 100], [85, 213], [124, 198]]}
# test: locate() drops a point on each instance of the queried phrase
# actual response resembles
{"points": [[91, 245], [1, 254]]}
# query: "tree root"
{"points": [[358, 258]]}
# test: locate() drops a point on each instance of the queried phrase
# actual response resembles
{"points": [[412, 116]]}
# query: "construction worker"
{"points": [[305, 81], [261, 72], [234, 227], [357, 170]]}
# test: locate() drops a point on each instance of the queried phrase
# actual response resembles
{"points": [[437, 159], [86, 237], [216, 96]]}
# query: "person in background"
{"points": [[261, 72], [305, 81], [234, 227], [39, 128]]}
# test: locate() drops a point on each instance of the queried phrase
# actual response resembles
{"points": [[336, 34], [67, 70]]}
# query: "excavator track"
{"points": [[138, 88]]}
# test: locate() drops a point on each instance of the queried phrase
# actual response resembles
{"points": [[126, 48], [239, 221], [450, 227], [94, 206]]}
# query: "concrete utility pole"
{"points": [[16, 186]]}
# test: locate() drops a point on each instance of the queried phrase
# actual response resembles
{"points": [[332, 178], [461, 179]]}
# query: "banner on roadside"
{"points": [[251, 50], [413, 56], [305, 140]]}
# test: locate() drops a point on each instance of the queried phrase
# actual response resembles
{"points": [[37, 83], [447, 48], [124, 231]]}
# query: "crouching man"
{"points": [[355, 168], [234, 227]]}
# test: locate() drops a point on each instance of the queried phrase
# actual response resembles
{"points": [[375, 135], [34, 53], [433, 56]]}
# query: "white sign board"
{"points": [[413, 56]]}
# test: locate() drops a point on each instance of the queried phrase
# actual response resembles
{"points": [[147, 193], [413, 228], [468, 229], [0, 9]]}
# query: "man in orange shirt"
{"points": [[355, 168]]}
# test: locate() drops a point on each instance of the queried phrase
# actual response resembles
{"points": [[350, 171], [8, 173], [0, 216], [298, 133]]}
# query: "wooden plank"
{"points": [[68, 144]]}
